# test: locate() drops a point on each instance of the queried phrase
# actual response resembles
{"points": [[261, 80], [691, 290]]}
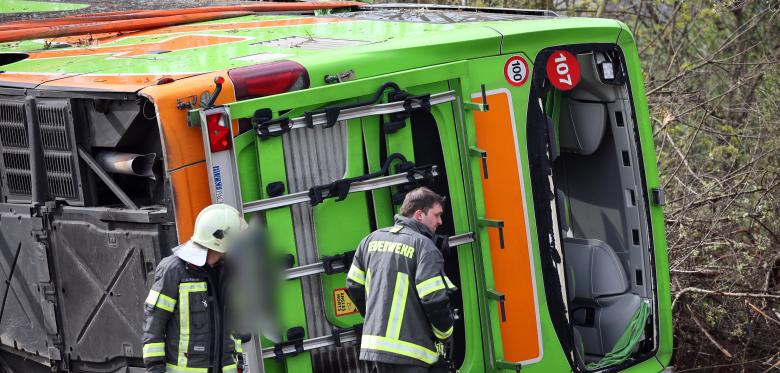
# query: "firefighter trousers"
{"points": [[377, 367]]}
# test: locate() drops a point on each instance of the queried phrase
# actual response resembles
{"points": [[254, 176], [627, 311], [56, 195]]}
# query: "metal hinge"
{"points": [[490, 223], [659, 196], [500, 364], [482, 106], [482, 154], [500, 297]]}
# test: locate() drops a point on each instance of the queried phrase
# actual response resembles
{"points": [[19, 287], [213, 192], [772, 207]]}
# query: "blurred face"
{"points": [[431, 219], [213, 257]]}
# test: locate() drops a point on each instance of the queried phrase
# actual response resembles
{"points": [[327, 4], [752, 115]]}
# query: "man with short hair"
{"points": [[398, 284], [184, 324]]}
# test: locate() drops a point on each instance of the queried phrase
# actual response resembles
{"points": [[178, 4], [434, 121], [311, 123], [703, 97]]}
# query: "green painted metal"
{"points": [[248, 168], [661, 256], [383, 208], [347, 90], [26, 6], [446, 121], [282, 238], [473, 256], [340, 225]]}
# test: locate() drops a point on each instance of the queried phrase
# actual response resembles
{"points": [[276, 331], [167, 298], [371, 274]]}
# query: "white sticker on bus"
{"points": [[218, 194], [516, 71]]}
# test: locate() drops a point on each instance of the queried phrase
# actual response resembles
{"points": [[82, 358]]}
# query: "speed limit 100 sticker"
{"points": [[563, 70], [516, 71]]}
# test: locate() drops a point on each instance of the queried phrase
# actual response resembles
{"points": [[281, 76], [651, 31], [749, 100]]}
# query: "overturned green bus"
{"points": [[534, 126]]}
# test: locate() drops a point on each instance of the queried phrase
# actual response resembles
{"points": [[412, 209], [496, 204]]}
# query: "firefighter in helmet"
{"points": [[184, 323], [398, 284]]}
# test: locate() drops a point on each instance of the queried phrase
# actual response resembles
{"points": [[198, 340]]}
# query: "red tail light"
{"points": [[268, 79], [219, 133]]}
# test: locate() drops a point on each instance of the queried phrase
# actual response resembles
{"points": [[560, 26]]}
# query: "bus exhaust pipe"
{"points": [[127, 163]]}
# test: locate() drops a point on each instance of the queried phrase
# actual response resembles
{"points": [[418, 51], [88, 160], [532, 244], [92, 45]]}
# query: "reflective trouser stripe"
{"points": [[156, 349], [185, 289], [434, 284], [399, 304], [356, 274], [161, 301], [232, 368], [372, 342], [170, 368], [442, 334]]}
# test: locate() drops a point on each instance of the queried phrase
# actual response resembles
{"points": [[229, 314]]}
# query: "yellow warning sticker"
{"points": [[342, 303]]}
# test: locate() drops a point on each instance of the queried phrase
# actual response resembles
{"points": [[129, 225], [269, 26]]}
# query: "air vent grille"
{"points": [[55, 121]]}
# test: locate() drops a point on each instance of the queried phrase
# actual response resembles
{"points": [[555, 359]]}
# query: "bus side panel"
{"points": [[508, 103], [661, 257]]}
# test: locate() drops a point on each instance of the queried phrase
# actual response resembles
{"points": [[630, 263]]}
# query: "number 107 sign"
{"points": [[563, 70]]}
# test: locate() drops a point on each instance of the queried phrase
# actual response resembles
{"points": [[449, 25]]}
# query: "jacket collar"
{"points": [[413, 225]]}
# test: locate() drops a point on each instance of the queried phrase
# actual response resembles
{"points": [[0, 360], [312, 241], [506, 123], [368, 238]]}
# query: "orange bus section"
{"points": [[183, 146], [191, 196], [504, 196]]}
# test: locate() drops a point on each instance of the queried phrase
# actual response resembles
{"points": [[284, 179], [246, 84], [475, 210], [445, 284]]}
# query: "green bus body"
{"points": [[470, 59]]}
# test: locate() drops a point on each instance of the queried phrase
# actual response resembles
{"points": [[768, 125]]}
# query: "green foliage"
{"points": [[712, 74]]}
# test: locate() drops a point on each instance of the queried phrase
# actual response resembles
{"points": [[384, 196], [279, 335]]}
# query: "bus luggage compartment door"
{"points": [[306, 223]]}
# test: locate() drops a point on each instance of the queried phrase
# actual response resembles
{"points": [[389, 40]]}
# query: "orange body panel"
{"points": [[236, 26], [116, 82], [173, 44], [92, 17], [183, 146], [190, 195], [87, 40], [112, 26], [138, 14], [18, 25], [28, 78], [126, 82], [513, 272]]}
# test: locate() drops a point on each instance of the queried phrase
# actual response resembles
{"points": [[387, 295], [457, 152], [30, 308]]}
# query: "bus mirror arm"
{"points": [[218, 82]]}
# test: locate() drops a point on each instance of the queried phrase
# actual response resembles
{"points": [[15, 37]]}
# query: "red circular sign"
{"points": [[563, 70], [516, 71]]}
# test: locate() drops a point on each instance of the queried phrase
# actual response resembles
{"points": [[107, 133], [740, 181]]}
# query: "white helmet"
{"points": [[215, 224]]}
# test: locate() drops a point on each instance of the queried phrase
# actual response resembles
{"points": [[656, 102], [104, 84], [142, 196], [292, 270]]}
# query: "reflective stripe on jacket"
{"points": [[181, 317], [397, 281]]}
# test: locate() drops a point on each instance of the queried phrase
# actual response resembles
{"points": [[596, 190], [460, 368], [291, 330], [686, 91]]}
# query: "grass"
{"points": [[26, 6]]}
